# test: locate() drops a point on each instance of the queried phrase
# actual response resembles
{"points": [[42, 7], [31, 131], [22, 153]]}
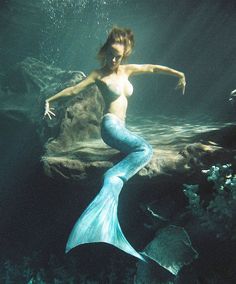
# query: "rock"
{"points": [[152, 273], [25, 89], [94, 154], [72, 143], [171, 249], [32, 76]]}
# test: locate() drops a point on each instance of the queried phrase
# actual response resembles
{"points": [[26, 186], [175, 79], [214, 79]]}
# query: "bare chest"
{"points": [[115, 85]]}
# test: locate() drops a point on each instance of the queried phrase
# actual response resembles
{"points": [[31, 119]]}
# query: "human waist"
{"points": [[114, 116]]}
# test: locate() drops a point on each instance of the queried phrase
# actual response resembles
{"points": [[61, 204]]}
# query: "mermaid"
{"points": [[99, 221]]}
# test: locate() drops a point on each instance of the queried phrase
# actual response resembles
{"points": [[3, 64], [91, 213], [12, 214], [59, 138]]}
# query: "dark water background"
{"points": [[196, 37]]}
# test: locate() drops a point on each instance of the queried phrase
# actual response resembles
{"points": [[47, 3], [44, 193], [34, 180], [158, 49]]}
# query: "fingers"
{"points": [[49, 114], [184, 86], [181, 85], [52, 113], [48, 110]]}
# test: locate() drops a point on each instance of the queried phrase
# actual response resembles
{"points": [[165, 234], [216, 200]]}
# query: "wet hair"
{"points": [[117, 35]]}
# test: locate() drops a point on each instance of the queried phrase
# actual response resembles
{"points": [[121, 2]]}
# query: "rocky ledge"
{"points": [[72, 143]]}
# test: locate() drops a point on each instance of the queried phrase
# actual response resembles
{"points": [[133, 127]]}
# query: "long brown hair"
{"points": [[117, 35]]}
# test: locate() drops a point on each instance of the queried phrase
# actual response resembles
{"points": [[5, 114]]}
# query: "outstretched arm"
{"points": [[134, 69], [74, 90]]}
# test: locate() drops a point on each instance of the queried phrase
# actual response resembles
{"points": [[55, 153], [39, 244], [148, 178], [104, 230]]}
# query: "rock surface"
{"points": [[171, 248], [73, 147]]}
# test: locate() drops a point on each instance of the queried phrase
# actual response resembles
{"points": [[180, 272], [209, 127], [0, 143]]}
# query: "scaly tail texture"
{"points": [[99, 222]]}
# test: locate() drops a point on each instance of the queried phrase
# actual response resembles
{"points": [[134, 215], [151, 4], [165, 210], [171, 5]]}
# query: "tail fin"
{"points": [[99, 223]]}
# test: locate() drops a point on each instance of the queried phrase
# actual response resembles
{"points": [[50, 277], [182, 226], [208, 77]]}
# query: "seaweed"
{"points": [[219, 212]]}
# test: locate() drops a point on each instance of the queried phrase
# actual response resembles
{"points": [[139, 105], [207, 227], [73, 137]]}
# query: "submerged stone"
{"points": [[171, 249], [72, 143]]}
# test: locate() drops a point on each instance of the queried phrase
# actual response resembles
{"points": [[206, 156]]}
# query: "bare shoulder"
{"points": [[127, 67], [94, 74], [90, 79], [133, 69]]}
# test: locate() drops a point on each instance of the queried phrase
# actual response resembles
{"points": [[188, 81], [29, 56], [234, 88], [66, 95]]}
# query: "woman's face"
{"points": [[114, 55]]}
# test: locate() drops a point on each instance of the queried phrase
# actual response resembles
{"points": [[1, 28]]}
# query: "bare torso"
{"points": [[115, 88]]}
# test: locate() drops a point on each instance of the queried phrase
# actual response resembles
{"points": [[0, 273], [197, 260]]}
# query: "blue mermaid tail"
{"points": [[99, 222]]}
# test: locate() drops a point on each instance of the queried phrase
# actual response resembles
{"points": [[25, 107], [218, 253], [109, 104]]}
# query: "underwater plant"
{"points": [[218, 214], [31, 270]]}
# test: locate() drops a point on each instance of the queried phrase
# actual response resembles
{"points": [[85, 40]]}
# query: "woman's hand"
{"points": [[182, 83], [48, 111]]}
